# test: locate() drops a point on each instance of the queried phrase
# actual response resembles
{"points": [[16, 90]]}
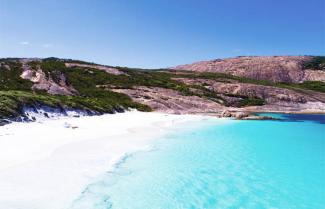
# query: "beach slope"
{"points": [[47, 164]]}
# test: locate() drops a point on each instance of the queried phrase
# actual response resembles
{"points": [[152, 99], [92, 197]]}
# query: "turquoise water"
{"points": [[237, 164]]}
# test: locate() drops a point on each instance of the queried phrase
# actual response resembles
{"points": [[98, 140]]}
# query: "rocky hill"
{"points": [[294, 84], [294, 69]]}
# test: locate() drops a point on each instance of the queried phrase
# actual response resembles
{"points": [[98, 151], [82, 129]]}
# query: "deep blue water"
{"points": [[212, 164], [316, 118]]}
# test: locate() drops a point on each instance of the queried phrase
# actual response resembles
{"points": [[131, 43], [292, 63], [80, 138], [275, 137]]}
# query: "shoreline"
{"points": [[47, 159], [43, 160], [5, 122]]}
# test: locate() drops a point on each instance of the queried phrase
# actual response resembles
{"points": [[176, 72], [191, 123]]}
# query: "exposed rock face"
{"points": [[110, 70], [276, 98], [234, 114], [276, 68], [170, 101], [308, 107], [269, 93], [46, 83], [173, 91], [32, 113], [314, 75]]}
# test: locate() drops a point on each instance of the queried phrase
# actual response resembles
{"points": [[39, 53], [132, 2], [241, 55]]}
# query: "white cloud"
{"points": [[24, 43], [47, 45], [237, 50]]}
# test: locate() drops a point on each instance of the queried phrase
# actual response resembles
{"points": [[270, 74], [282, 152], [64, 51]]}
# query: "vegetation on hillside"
{"points": [[222, 77], [316, 63], [252, 101], [94, 86], [10, 77], [312, 85], [11, 102], [16, 92]]}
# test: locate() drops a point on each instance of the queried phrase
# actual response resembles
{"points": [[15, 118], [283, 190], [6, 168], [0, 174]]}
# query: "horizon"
{"points": [[157, 68], [159, 34]]}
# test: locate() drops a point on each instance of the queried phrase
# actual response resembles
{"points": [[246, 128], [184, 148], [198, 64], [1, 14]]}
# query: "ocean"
{"points": [[221, 163]]}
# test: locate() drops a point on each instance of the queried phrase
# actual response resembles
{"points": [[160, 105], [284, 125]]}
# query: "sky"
{"points": [[160, 33]]}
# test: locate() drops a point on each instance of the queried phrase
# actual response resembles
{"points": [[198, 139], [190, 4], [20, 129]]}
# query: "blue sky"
{"points": [[160, 33]]}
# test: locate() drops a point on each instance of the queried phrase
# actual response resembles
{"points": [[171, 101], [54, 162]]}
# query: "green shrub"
{"points": [[10, 78], [252, 101], [316, 63], [313, 85]]}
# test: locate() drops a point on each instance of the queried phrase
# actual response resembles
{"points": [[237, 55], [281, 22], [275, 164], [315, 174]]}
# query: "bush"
{"points": [[313, 85], [252, 101], [10, 79], [316, 63]]}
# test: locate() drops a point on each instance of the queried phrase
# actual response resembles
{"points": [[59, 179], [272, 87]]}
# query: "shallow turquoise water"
{"points": [[238, 164]]}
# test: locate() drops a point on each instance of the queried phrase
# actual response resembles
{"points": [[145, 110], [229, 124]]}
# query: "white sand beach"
{"points": [[47, 164]]}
